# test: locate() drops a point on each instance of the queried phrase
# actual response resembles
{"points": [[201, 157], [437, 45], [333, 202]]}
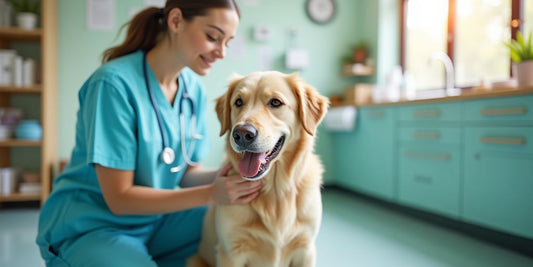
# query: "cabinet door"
{"points": [[365, 156], [498, 181], [429, 178], [345, 148]]}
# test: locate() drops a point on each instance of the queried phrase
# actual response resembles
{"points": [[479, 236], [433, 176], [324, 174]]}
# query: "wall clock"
{"points": [[320, 11]]}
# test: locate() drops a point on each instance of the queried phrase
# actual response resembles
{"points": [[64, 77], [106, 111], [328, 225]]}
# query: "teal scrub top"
{"points": [[117, 128]]}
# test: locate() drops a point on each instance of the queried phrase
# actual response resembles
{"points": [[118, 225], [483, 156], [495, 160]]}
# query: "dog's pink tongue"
{"points": [[250, 163]]}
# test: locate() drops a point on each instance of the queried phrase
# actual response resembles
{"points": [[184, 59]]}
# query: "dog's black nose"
{"points": [[244, 135]]}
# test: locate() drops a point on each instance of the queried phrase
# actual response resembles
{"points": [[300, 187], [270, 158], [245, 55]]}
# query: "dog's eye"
{"points": [[238, 102], [275, 103]]}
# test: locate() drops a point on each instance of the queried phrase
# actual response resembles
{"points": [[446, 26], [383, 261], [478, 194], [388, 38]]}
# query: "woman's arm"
{"points": [[196, 175], [123, 197]]}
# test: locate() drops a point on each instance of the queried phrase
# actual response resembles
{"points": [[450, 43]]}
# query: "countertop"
{"points": [[466, 94]]}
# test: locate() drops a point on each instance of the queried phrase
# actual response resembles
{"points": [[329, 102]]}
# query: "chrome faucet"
{"points": [[450, 89]]}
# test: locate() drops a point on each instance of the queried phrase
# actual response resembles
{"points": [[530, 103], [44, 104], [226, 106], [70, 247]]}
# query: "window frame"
{"points": [[515, 24]]}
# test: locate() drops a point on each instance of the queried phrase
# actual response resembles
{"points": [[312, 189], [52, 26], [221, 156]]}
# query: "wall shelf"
{"points": [[45, 53], [35, 89], [16, 34], [19, 143], [16, 197], [357, 70]]}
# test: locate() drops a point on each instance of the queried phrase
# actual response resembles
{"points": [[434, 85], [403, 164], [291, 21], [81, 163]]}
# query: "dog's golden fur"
{"points": [[279, 227]]}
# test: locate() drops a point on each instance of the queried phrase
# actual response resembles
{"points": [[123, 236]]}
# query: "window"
{"points": [[470, 32], [426, 27], [481, 28], [528, 16]]}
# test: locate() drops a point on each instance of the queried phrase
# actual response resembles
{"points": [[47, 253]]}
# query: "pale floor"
{"points": [[354, 232]]}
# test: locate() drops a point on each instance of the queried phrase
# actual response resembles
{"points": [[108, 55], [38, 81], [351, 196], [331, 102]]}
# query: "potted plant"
{"points": [[347, 62], [522, 55], [360, 52], [27, 11], [347, 59]]}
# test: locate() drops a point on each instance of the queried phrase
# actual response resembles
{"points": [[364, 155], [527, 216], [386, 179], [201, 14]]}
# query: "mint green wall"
{"points": [[388, 38], [80, 52], [379, 23]]}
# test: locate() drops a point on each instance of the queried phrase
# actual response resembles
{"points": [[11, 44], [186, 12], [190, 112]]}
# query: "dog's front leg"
{"points": [[225, 260], [304, 258]]}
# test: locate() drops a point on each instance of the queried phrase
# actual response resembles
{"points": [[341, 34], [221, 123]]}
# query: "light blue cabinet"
{"points": [[429, 157], [498, 168], [471, 160], [366, 161]]}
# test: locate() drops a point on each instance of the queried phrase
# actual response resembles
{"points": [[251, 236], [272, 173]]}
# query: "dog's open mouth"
{"points": [[253, 166]]}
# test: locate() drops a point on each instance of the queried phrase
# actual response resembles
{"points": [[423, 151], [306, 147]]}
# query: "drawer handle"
{"points": [[431, 156], [426, 113], [503, 111], [375, 114], [426, 135], [503, 140], [423, 179]]}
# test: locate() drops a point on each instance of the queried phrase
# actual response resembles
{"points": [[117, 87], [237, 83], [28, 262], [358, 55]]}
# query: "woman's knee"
{"points": [[106, 249]]}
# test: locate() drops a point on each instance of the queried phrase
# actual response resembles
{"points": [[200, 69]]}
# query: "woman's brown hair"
{"points": [[146, 27]]}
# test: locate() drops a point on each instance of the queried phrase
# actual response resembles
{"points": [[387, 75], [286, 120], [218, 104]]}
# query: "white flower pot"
{"points": [[27, 20], [524, 73]]}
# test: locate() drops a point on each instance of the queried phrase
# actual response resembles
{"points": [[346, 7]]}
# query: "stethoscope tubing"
{"points": [[168, 155], [152, 99]]}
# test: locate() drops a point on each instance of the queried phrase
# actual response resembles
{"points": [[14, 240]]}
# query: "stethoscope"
{"points": [[167, 155]]}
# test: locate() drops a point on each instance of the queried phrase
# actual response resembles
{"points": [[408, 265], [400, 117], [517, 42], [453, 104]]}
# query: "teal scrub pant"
{"points": [[169, 242]]}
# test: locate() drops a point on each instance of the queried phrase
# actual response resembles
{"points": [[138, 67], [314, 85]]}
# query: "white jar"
{"points": [[524, 73], [8, 179], [27, 20]]}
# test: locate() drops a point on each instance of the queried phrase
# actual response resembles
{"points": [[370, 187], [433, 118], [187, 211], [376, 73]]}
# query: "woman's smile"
{"points": [[208, 63]]}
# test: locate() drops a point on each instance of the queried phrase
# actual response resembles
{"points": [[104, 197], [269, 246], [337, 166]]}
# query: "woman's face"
{"points": [[203, 40]]}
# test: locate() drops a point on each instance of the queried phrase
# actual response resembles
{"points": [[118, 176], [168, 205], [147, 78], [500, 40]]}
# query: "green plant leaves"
{"points": [[520, 49], [515, 56], [21, 6]]}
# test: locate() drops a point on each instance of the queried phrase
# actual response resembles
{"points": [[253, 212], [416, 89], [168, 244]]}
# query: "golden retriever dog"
{"points": [[271, 119]]}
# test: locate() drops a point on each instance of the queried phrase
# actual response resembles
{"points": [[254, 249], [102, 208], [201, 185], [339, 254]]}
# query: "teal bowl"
{"points": [[29, 129]]}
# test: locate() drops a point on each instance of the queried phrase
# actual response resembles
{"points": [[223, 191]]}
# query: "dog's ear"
{"points": [[221, 114], [312, 106], [223, 105]]}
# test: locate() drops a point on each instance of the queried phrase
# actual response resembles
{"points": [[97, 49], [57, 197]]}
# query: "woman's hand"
{"points": [[233, 189]]}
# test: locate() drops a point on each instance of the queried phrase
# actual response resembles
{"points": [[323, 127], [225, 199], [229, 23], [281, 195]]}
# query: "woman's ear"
{"points": [[175, 19]]}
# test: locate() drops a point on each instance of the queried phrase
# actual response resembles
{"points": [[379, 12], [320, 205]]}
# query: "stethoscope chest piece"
{"points": [[167, 155]]}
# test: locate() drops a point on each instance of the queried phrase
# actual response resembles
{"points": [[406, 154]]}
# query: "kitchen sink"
{"points": [[428, 94]]}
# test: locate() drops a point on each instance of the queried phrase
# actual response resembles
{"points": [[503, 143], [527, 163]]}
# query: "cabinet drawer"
{"points": [[499, 139], [500, 109], [430, 179], [431, 112], [430, 135], [376, 114]]}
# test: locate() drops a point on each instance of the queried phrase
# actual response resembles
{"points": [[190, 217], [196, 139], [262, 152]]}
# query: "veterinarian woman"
{"points": [[140, 132]]}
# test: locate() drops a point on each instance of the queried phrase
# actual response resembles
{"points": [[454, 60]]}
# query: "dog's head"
{"points": [[265, 114]]}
